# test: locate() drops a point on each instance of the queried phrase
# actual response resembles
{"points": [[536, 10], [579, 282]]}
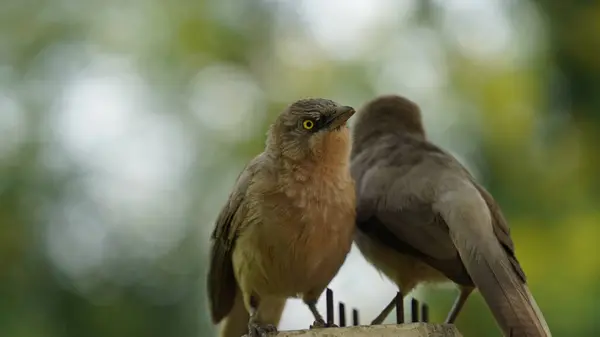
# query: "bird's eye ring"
{"points": [[308, 124]]}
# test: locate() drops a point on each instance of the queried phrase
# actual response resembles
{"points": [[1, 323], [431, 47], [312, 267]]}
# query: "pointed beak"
{"points": [[340, 117]]}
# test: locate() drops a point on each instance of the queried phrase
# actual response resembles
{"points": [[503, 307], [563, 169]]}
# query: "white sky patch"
{"points": [[411, 63], [480, 28], [345, 28], [99, 106]]}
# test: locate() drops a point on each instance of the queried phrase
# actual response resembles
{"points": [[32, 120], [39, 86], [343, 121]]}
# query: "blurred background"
{"points": [[123, 126]]}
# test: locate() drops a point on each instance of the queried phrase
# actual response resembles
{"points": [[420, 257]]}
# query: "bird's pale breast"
{"points": [[304, 236]]}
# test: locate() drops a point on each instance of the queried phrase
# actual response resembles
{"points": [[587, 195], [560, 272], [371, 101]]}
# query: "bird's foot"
{"points": [[320, 324], [257, 330]]}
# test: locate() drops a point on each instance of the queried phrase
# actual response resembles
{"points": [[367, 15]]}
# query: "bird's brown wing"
{"points": [[406, 224], [429, 208], [390, 208], [500, 225], [481, 236], [502, 230], [221, 281]]}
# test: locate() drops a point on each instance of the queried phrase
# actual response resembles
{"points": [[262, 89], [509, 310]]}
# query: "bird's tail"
{"points": [[507, 296], [235, 323], [494, 274]]}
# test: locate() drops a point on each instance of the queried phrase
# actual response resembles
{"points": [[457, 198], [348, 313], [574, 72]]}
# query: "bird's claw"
{"points": [[320, 324], [256, 330]]}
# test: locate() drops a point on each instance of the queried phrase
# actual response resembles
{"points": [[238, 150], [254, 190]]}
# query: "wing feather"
{"points": [[221, 282], [390, 208]]}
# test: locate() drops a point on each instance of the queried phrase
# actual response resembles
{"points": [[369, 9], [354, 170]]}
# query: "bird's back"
{"points": [[395, 216]]}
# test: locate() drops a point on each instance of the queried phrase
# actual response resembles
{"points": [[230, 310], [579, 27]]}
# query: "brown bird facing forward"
{"points": [[421, 217], [288, 224]]}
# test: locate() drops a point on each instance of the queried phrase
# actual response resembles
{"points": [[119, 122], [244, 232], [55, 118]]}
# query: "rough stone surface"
{"points": [[387, 330]]}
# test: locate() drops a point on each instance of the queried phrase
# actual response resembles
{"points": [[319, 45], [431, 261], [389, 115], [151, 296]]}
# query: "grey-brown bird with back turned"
{"points": [[288, 224], [421, 217]]}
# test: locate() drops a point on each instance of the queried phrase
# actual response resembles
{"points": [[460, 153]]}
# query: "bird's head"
{"points": [[387, 114], [311, 128]]}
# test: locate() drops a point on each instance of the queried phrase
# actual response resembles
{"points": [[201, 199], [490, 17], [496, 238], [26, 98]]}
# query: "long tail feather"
{"points": [[490, 268]]}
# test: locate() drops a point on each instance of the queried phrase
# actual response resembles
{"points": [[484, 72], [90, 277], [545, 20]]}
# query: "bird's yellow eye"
{"points": [[308, 124]]}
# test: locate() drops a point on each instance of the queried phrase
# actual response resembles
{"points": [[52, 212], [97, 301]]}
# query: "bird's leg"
{"points": [[385, 312], [405, 287], [255, 329], [459, 304], [319, 321]]}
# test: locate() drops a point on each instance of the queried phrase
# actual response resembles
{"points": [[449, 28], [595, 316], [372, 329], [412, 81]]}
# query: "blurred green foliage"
{"points": [[529, 116]]}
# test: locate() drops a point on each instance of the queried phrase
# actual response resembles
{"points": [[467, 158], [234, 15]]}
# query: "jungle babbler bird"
{"points": [[288, 224], [422, 217]]}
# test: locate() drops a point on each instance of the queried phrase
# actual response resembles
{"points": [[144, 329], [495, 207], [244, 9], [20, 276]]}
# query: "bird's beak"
{"points": [[340, 117]]}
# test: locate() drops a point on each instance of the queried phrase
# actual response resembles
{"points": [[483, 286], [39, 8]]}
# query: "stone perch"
{"points": [[387, 330]]}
